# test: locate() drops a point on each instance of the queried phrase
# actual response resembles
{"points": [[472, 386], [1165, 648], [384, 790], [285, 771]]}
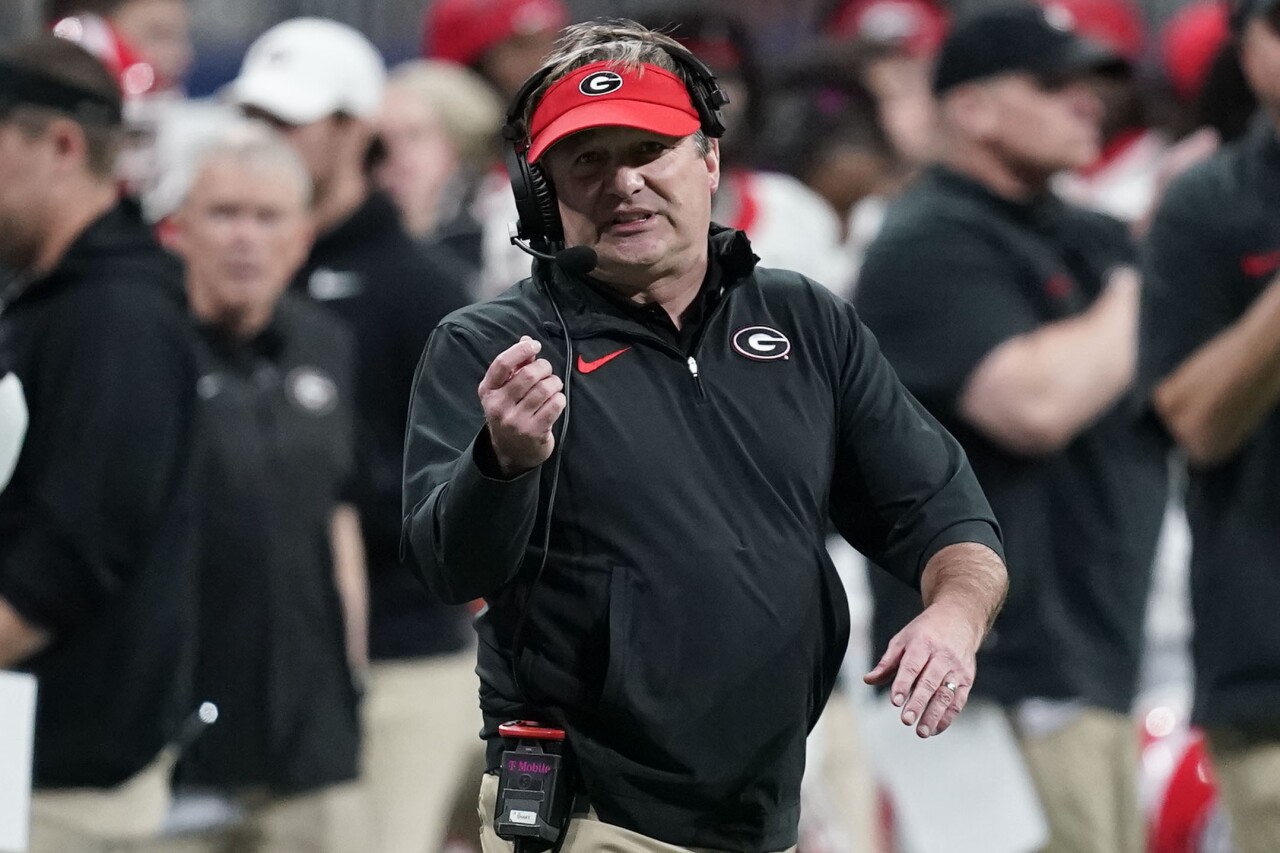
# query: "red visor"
{"points": [[604, 94]]}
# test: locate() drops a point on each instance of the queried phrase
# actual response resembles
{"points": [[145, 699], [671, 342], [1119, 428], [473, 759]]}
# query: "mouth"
{"points": [[630, 221]]}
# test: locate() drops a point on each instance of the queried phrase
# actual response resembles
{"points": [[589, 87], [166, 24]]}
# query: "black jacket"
{"points": [[95, 528], [688, 626], [391, 293]]}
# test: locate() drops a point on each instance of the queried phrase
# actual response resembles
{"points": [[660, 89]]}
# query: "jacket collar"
{"points": [[586, 311]]}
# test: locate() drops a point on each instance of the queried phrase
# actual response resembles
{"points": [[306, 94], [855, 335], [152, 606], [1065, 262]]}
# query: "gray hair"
{"points": [[253, 144], [468, 109], [623, 42]]}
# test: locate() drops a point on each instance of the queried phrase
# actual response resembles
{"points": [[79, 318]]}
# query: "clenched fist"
{"points": [[522, 399]]}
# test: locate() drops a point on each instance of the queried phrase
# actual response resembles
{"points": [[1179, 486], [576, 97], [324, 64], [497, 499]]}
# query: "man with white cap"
{"points": [[321, 83]]}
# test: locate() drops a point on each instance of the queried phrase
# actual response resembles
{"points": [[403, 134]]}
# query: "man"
{"points": [[95, 524], [1011, 316], [1210, 360], [502, 40], [660, 587], [320, 83], [154, 32], [280, 554]]}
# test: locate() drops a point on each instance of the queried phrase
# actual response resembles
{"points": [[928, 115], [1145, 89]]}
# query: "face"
{"points": [[323, 145], [243, 232], [161, 32], [1039, 129], [904, 100], [27, 168], [641, 200], [512, 61], [1260, 59], [420, 159]]}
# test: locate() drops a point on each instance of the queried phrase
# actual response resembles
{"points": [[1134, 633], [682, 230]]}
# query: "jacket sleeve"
{"points": [[903, 488], [467, 531]]}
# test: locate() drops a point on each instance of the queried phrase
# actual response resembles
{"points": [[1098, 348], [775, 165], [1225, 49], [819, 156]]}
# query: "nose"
{"points": [[1084, 101], [626, 180]]}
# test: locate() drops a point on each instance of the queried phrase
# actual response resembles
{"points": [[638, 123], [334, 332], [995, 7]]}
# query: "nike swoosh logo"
{"points": [[585, 366]]}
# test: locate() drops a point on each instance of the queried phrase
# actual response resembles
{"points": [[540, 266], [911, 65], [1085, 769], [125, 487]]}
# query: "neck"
{"points": [[997, 175], [92, 199], [338, 198], [242, 322], [674, 293]]}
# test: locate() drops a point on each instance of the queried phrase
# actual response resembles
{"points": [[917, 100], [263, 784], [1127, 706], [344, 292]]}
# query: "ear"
{"points": [[972, 107], [712, 161], [70, 147]]}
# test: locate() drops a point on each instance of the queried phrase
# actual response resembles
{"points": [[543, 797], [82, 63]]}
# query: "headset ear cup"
{"points": [[548, 209]]}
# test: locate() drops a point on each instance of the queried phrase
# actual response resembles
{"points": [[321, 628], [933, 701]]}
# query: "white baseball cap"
{"points": [[305, 69]]}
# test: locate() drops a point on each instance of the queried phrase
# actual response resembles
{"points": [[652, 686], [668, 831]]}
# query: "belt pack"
{"points": [[535, 786]]}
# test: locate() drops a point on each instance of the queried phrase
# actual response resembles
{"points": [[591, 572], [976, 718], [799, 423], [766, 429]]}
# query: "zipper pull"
{"points": [[693, 366]]}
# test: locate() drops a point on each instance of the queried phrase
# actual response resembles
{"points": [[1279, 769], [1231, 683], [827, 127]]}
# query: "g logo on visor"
{"points": [[761, 343], [600, 83]]}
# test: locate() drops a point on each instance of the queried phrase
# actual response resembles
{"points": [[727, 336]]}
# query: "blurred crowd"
{"points": [[272, 261]]}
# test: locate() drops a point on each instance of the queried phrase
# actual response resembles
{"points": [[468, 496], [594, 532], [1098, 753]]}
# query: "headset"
{"points": [[538, 220]]}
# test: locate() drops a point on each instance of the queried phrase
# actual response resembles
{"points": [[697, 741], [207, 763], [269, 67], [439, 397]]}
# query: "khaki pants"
{"points": [[421, 747], [838, 797], [1086, 774], [1247, 763], [107, 820], [330, 820], [584, 835]]}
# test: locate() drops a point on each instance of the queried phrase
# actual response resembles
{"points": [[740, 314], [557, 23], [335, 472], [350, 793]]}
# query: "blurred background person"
{"points": [[155, 33], [893, 44], [321, 83], [281, 559], [503, 41], [439, 125], [1122, 181], [790, 226], [1011, 315], [1211, 365], [96, 524]]}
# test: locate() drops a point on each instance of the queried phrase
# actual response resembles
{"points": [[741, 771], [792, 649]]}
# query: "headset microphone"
{"points": [[578, 260]]}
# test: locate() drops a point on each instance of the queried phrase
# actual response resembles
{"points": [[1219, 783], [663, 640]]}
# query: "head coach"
{"points": [[633, 456]]}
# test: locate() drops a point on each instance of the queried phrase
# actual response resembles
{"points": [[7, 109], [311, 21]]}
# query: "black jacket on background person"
{"points": [[277, 449], [689, 624], [1214, 247], [95, 528], [955, 272], [391, 294]]}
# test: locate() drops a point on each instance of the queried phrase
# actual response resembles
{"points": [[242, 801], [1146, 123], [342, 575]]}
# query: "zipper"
{"points": [[697, 380]]}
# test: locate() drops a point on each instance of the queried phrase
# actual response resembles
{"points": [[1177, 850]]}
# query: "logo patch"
{"points": [[312, 390], [761, 343], [585, 366], [600, 83]]}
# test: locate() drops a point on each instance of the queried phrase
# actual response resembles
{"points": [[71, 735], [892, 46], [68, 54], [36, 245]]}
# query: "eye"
{"points": [[589, 158]]}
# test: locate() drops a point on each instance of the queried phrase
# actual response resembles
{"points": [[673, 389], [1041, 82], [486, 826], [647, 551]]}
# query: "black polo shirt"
{"points": [[391, 293], [277, 451], [1213, 248], [956, 271]]}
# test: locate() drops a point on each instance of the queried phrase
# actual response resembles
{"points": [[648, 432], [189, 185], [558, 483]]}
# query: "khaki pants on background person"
{"points": [[334, 819], [107, 820], [1247, 764], [421, 746], [584, 835], [1086, 773]]}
